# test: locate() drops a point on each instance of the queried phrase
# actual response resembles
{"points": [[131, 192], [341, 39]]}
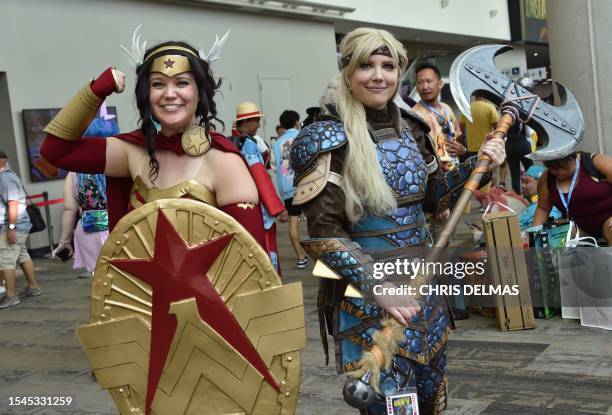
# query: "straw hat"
{"points": [[246, 110]]}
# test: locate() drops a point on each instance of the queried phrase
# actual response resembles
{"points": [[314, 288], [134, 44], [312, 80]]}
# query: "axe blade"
{"points": [[560, 129], [461, 83]]}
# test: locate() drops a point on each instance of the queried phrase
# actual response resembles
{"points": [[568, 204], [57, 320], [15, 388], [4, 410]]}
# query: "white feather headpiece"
{"points": [[136, 55], [138, 49], [215, 51]]}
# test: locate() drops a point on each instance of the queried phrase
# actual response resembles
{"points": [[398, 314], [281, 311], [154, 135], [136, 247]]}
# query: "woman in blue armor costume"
{"points": [[364, 179]]}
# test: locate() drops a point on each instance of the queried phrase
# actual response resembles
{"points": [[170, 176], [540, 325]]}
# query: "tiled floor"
{"points": [[558, 368]]}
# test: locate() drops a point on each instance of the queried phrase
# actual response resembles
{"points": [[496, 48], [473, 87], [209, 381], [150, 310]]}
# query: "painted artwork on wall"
{"points": [[34, 121]]}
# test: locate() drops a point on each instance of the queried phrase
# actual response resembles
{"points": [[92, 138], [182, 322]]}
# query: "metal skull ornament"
{"points": [[560, 128]]}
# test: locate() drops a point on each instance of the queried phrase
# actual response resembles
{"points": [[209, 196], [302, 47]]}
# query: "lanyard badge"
{"points": [[565, 201], [402, 402], [444, 120]]}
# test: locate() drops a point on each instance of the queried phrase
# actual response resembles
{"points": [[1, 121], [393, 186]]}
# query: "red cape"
{"points": [[118, 188]]}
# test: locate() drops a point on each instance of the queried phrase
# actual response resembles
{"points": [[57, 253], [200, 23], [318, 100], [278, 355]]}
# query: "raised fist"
{"points": [[109, 81], [119, 80]]}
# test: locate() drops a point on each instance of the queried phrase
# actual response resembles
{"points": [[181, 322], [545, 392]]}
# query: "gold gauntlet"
{"points": [[72, 121]]}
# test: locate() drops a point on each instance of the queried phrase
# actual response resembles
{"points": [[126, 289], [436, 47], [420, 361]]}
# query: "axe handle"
{"points": [[482, 166]]}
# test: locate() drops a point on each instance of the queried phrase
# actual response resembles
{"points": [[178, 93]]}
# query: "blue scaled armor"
{"points": [[407, 159]]}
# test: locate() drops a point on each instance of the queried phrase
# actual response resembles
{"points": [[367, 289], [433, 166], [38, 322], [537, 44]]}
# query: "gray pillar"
{"points": [[581, 56], [8, 143]]}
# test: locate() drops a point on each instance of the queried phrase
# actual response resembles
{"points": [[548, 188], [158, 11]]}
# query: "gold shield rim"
{"points": [[127, 310]]}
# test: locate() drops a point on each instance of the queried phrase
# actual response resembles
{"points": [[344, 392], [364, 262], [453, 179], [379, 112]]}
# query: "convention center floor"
{"points": [[559, 367]]}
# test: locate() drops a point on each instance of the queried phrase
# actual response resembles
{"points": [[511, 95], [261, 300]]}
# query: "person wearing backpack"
{"points": [[290, 121]]}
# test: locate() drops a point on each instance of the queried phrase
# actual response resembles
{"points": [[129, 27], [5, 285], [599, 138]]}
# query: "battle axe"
{"points": [[559, 128]]}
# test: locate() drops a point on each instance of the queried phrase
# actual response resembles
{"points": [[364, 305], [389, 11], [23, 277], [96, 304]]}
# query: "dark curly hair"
{"points": [[206, 108], [562, 162]]}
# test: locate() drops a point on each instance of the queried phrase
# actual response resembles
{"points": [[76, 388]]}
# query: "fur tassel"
{"points": [[381, 353]]}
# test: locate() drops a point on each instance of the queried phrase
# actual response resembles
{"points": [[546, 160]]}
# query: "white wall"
{"points": [[49, 49], [461, 17], [515, 58]]}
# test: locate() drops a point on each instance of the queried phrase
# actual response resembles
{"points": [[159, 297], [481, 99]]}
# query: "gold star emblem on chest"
{"points": [[195, 140]]}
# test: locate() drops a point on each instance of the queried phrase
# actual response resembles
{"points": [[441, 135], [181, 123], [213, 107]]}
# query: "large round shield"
{"points": [[187, 310]]}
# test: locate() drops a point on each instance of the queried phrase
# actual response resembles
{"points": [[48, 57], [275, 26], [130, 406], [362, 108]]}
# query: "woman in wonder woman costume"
{"points": [[192, 296], [174, 153]]}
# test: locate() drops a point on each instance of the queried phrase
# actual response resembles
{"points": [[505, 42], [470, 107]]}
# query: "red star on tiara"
{"points": [[169, 63]]}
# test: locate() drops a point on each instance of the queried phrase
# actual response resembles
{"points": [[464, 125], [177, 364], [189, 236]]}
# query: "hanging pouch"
{"points": [[95, 220]]}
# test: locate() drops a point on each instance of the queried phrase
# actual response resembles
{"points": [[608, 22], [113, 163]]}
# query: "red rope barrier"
{"points": [[49, 202]]}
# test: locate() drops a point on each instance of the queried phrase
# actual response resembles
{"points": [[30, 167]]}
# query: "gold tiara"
{"points": [[170, 65], [164, 48]]}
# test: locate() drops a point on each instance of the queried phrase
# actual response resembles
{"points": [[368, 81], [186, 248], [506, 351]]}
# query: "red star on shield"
{"points": [[177, 272], [169, 63]]}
